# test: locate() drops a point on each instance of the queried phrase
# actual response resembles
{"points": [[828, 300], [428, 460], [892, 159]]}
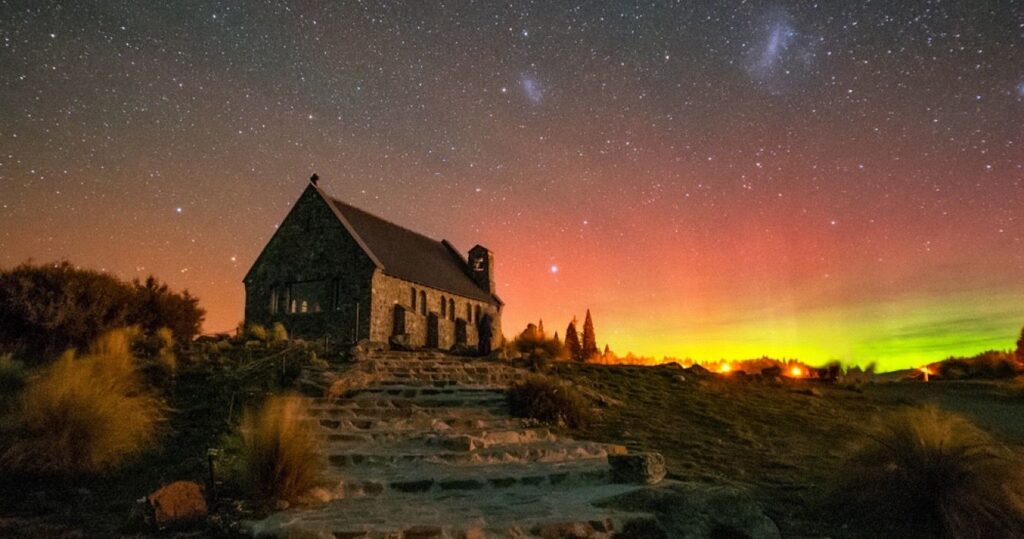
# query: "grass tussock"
{"points": [[550, 401], [922, 472], [280, 455], [83, 415]]}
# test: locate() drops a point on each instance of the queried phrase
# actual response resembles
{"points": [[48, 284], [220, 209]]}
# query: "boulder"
{"points": [[687, 509], [642, 468], [178, 504]]}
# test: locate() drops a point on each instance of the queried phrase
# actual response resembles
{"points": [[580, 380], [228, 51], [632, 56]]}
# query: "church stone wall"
{"points": [[390, 291], [312, 250]]}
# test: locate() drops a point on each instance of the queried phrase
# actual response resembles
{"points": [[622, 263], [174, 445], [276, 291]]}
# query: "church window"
{"points": [[311, 296], [476, 317], [444, 309], [469, 311], [451, 309], [423, 303], [413, 304]]}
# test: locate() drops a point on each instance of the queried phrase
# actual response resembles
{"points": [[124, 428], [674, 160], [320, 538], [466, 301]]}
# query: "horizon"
{"points": [[796, 182]]}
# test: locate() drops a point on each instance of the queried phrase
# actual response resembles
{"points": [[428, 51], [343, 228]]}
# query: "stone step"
{"points": [[409, 391], [440, 412], [450, 438], [415, 424], [524, 453], [430, 477], [518, 511], [377, 400]]}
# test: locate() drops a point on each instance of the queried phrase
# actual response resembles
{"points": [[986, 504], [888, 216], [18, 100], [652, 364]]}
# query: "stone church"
{"points": [[332, 269]]}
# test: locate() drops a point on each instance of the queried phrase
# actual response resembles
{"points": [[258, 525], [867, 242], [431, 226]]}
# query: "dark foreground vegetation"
{"points": [[83, 437], [46, 309]]}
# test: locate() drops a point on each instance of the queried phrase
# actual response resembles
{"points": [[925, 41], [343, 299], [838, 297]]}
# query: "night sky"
{"points": [[821, 180]]}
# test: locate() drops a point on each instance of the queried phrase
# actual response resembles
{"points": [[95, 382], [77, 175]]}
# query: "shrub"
{"points": [[923, 472], [992, 364], [256, 332], [278, 333], [46, 309], [550, 401], [83, 415], [280, 453]]}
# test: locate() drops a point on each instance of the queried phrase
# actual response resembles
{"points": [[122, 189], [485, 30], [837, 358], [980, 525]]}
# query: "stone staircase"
{"points": [[421, 445]]}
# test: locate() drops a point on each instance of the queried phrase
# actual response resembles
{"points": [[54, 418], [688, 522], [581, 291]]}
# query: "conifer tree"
{"points": [[589, 339], [540, 329], [1020, 346], [572, 342]]}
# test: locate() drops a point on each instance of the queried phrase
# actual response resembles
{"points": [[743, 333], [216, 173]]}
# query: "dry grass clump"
{"points": [[257, 332], [280, 455], [924, 472], [278, 333], [83, 415], [550, 401]]}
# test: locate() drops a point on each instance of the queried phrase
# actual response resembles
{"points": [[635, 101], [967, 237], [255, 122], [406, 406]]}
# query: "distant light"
{"points": [[554, 268], [725, 368], [178, 209], [796, 372]]}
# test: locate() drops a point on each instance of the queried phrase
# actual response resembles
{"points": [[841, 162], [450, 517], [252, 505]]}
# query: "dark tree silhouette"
{"points": [[589, 339], [572, 342], [1020, 346], [47, 308]]}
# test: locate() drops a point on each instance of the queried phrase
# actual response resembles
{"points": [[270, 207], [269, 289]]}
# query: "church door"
{"points": [[432, 330]]}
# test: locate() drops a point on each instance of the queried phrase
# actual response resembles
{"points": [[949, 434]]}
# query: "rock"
{"points": [[401, 342], [685, 509], [178, 504], [680, 378], [643, 468], [461, 443]]}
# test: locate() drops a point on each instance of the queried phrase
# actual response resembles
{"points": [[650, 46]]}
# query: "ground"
{"points": [[782, 441]]}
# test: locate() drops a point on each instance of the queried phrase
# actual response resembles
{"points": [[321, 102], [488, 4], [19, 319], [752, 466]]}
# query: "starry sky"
{"points": [[832, 180]]}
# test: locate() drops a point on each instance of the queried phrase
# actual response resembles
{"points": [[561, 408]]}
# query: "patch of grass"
{"points": [[990, 365], [83, 415], [280, 454], [550, 401], [924, 472]]}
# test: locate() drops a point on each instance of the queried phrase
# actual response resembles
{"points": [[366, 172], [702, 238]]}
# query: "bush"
{"points": [[280, 454], [47, 309], [83, 415], [923, 472], [278, 333], [990, 365], [549, 401], [256, 332]]}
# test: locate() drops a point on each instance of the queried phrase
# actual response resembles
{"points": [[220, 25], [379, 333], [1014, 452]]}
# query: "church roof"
{"points": [[408, 255]]}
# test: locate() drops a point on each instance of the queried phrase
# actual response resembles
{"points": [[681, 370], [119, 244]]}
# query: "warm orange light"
{"points": [[725, 368], [926, 372], [796, 372]]}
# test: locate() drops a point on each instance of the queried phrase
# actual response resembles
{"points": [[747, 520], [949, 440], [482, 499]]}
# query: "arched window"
{"points": [[444, 308], [476, 317], [451, 309], [469, 312], [413, 302], [423, 303]]}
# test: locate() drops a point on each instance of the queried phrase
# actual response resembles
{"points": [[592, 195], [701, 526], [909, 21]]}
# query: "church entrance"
{"points": [[432, 330]]}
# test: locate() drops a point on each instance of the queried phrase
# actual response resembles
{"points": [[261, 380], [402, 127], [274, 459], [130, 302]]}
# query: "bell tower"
{"points": [[481, 266]]}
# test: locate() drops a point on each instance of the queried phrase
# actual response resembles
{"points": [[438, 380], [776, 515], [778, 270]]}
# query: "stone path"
{"points": [[421, 445]]}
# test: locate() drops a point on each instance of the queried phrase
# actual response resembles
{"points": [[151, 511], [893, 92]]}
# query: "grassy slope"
{"points": [[778, 440], [206, 403]]}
